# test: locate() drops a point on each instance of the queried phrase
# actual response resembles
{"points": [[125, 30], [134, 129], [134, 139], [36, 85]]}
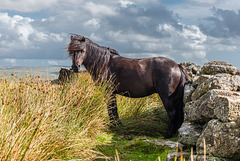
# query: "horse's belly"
{"points": [[135, 91], [136, 95]]}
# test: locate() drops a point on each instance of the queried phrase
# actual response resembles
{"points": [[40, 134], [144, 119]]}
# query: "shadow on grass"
{"points": [[151, 123]]}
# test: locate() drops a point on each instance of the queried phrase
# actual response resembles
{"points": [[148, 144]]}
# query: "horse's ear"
{"points": [[83, 39]]}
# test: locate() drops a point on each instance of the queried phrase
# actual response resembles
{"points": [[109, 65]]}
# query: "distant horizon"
{"points": [[59, 63], [33, 62]]}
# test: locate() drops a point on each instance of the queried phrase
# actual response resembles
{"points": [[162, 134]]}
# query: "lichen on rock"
{"points": [[215, 104], [189, 133], [222, 139], [215, 67], [219, 81]]}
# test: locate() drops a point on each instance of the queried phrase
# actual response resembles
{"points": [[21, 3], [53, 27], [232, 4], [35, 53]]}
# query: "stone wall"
{"points": [[212, 110]]}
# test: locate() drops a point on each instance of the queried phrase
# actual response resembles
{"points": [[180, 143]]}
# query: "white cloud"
{"points": [[206, 1], [94, 22], [223, 44], [20, 29], [44, 20], [19, 36], [57, 37], [94, 37], [146, 1], [125, 3], [190, 38], [11, 61], [186, 44], [16, 27], [229, 5], [40, 36], [26, 5], [52, 62], [99, 10]]}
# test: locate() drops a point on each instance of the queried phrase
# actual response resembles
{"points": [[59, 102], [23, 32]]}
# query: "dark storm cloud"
{"points": [[142, 20], [135, 20], [223, 23]]}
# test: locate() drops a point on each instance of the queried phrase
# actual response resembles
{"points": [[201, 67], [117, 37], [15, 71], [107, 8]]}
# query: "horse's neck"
{"points": [[95, 64]]}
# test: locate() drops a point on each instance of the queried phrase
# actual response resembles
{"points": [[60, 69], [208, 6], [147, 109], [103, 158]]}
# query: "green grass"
{"points": [[135, 149], [142, 116]]}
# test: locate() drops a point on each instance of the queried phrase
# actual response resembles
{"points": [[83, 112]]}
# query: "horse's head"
{"points": [[77, 51]]}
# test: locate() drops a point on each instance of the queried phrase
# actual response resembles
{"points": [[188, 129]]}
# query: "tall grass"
{"points": [[42, 121], [143, 116]]}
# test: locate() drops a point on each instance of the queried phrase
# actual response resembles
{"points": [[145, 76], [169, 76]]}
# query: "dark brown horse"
{"points": [[133, 77]]}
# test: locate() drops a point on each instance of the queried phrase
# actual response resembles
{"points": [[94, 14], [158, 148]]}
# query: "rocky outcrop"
{"points": [[212, 111], [220, 81], [215, 104], [192, 68], [65, 74], [214, 67], [222, 139]]}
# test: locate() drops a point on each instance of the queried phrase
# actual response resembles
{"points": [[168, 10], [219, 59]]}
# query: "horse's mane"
{"points": [[97, 58]]}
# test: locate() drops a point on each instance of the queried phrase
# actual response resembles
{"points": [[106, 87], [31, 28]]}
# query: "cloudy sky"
{"points": [[34, 32]]}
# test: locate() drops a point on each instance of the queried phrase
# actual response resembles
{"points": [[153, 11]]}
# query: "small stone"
{"points": [[188, 133], [170, 144]]}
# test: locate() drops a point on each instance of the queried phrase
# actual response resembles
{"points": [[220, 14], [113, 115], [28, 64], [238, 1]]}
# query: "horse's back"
{"points": [[142, 77]]}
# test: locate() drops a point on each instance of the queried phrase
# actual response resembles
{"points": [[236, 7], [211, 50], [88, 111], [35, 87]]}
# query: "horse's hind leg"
{"points": [[113, 112], [174, 107], [179, 105], [172, 117]]}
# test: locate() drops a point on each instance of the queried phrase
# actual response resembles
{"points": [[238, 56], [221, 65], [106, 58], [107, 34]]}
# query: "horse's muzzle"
{"points": [[76, 68]]}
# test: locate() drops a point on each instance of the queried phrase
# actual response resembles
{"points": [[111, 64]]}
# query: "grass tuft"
{"points": [[44, 121]]}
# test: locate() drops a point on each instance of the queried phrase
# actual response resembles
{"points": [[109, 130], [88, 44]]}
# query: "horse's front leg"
{"points": [[113, 111]]}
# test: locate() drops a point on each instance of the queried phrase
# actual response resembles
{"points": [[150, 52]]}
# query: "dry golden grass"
{"points": [[42, 121]]}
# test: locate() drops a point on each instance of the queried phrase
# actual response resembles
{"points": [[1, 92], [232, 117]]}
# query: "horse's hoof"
{"points": [[168, 136]]}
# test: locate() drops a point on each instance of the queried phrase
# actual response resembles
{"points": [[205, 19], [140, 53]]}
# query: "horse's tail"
{"points": [[185, 78]]}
